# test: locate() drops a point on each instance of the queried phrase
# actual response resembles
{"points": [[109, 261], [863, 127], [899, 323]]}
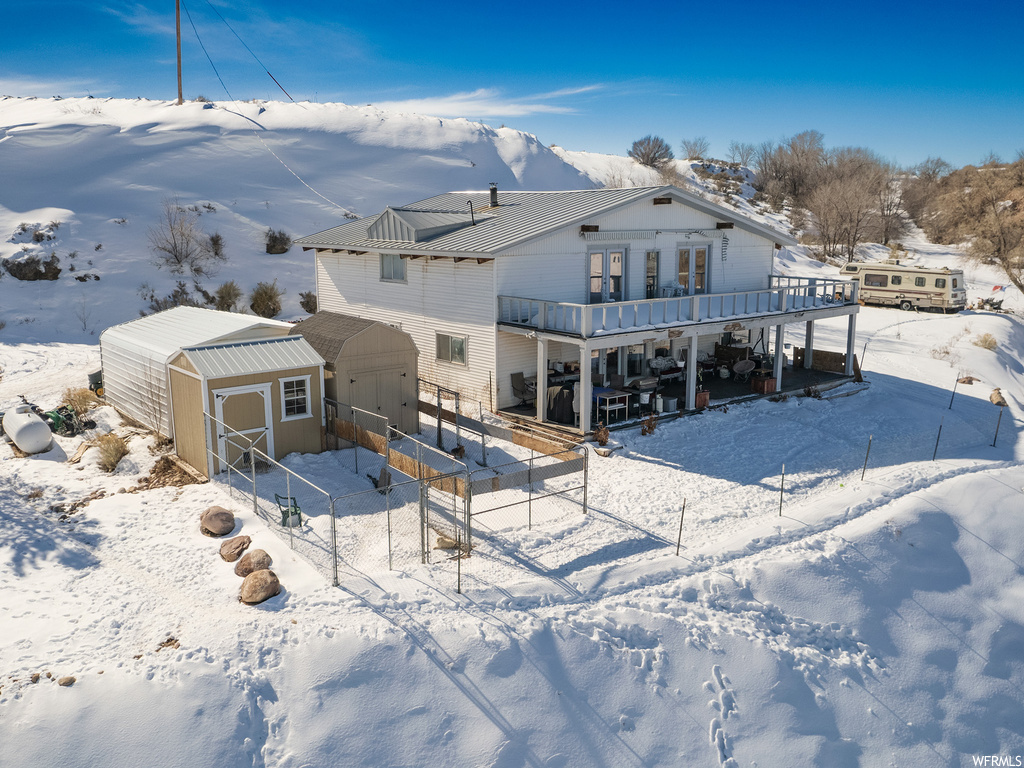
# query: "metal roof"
{"points": [[164, 333], [518, 218], [246, 357]]}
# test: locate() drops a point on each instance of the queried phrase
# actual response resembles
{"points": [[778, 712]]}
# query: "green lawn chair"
{"points": [[291, 515]]}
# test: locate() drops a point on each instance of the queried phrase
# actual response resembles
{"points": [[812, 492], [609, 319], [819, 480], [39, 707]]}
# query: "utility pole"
{"points": [[177, 29]]}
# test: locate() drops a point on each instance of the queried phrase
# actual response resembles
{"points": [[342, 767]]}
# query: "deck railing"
{"points": [[784, 294]]}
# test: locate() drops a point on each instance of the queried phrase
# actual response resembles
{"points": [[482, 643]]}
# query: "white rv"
{"points": [[899, 285]]}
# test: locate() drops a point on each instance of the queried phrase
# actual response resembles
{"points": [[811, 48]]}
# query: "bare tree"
{"points": [[696, 149], [652, 151], [180, 243], [741, 153], [844, 197]]}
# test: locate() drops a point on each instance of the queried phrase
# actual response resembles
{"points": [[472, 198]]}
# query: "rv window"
{"points": [[940, 282], [956, 282], [897, 279], [851, 267], [876, 281], [919, 282]]}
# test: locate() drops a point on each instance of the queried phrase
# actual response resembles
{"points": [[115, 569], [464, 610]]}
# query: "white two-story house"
{"points": [[495, 287]]}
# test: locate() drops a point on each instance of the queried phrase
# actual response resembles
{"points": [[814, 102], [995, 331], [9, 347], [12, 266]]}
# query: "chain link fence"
{"points": [[424, 504]]}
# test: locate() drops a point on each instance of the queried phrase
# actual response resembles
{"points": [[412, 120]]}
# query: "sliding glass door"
{"points": [[693, 269], [607, 268]]}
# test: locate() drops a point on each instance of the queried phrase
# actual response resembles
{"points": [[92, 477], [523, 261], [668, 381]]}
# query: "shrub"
{"points": [[80, 400], [278, 241], [265, 299], [652, 151], [307, 300], [601, 435], [112, 449], [648, 425], [986, 341], [217, 245], [179, 297], [227, 296]]}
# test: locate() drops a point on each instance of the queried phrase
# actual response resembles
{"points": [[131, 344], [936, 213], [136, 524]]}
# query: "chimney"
{"points": [[494, 195]]}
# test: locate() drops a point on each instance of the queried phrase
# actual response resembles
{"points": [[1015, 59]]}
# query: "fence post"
{"points": [[782, 485], [440, 440], [252, 467], [423, 507], [586, 468], [936, 451], [529, 502], [469, 514], [679, 541], [355, 438], [458, 434], [334, 543], [483, 432], [387, 496], [865, 469], [288, 492]]}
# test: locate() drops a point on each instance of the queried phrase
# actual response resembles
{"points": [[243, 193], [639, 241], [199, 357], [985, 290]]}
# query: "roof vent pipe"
{"points": [[494, 195], [472, 216]]}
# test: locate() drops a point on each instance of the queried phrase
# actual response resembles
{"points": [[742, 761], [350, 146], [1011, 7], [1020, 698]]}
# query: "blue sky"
{"points": [[907, 80]]}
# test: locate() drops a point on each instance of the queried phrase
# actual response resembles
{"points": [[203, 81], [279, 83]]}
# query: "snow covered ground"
{"points": [[875, 622]]}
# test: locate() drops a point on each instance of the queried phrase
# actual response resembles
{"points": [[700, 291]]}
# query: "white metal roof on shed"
{"points": [[248, 357], [164, 333]]}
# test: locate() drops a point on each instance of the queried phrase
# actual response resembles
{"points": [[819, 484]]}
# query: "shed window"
{"points": [[897, 279], [295, 398], [876, 281], [451, 349], [919, 282], [392, 267], [940, 282]]}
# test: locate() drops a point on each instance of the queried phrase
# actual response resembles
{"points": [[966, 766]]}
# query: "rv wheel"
{"points": [[906, 306]]}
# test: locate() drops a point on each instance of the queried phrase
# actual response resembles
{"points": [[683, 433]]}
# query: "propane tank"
{"points": [[29, 432]]}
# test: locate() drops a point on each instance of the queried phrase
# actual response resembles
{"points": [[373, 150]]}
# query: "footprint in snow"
{"points": [[725, 704]]}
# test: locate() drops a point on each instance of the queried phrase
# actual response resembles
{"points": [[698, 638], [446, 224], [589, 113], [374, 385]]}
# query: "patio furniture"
{"points": [[612, 401], [525, 391], [742, 370], [291, 515]]}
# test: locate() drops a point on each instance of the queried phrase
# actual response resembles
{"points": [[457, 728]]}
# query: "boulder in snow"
{"points": [[216, 521], [232, 549], [259, 586], [257, 560]]}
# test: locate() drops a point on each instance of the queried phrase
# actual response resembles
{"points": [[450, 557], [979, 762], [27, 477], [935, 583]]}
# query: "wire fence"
{"points": [[423, 505]]}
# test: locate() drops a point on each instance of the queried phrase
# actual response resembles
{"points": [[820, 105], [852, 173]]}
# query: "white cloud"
{"points": [[30, 86], [487, 103]]}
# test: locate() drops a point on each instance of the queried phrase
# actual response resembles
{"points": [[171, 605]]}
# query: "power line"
{"points": [[254, 133], [265, 69]]}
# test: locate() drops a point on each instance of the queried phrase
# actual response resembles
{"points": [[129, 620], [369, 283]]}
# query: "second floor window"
{"points": [[392, 267]]}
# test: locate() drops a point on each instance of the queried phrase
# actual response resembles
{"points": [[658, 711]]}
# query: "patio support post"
{"points": [[809, 344], [586, 393], [780, 354], [542, 380], [851, 338], [691, 373]]}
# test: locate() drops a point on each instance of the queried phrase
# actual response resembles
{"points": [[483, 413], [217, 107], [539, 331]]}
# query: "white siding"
{"points": [[438, 296]]}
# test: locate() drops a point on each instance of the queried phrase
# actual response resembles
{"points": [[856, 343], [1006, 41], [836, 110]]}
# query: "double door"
{"points": [[607, 268], [693, 269]]}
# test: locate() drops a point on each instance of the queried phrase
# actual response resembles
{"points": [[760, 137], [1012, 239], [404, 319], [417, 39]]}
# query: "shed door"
{"points": [[247, 413], [380, 392]]}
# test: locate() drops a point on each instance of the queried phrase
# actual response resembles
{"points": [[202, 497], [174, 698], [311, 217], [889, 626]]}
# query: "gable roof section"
{"points": [[327, 332], [162, 334], [415, 225], [519, 218], [247, 357]]}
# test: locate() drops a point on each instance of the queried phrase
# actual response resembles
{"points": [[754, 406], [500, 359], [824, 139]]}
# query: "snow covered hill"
{"points": [[876, 621]]}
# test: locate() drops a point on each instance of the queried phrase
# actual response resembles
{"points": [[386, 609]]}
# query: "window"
{"points": [[876, 281], [451, 349], [392, 267], [897, 280], [940, 282], [956, 283], [295, 398], [652, 274], [919, 282], [850, 267]]}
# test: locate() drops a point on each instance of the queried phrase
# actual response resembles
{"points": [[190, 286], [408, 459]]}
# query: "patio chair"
{"points": [[616, 380], [742, 370], [291, 515], [525, 391]]}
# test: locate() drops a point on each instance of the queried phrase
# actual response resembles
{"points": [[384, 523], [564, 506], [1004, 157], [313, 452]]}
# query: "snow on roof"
{"points": [[246, 357], [519, 216], [164, 333]]}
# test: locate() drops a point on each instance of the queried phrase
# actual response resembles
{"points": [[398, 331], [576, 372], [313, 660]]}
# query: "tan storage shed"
{"points": [[270, 391], [369, 365]]}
